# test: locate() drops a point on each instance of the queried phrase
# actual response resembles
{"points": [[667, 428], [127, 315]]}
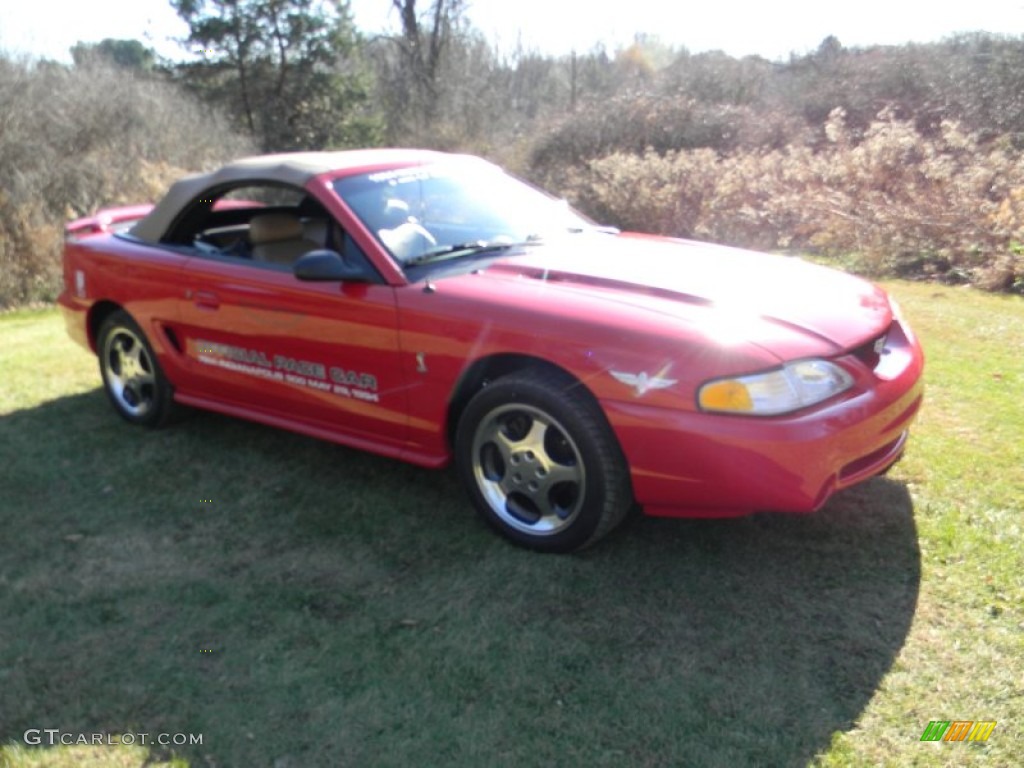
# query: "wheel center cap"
{"points": [[527, 470]]}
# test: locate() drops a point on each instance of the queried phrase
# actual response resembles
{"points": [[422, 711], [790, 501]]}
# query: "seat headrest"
{"points": [[395, 213], [273, 228]]}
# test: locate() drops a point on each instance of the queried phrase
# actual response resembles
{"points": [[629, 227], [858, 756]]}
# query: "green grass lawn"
{"points": [[300, 604]]}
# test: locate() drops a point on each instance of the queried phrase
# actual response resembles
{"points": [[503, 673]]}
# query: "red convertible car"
{"points": [[430, 307]]}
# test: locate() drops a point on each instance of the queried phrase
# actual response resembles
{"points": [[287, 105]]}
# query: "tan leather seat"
{"points": [[277, 238]]}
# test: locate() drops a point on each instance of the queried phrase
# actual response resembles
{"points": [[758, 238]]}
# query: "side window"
{"points": [[353, 254], [266, 225]]}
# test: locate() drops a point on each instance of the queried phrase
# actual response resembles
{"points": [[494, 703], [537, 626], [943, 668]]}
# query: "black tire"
{"points": [[540, 462], [132, 378]]}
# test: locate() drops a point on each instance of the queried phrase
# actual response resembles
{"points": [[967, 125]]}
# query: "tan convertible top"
{"points": [[295, 168]]}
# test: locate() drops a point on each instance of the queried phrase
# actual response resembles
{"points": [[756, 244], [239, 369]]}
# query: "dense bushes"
{"points": [[75, 139], [891, 200], [635, 122], [899, 160]]}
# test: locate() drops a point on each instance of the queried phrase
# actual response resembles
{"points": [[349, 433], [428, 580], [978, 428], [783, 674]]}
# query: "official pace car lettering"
{"points": [[302, 373]]}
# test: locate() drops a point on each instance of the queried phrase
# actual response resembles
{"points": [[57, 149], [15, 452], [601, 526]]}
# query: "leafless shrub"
{"points": [[892, 201], [76, 139]]}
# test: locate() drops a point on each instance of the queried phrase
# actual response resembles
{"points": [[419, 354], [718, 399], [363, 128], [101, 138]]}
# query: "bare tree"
{"points": [[413, 68]]}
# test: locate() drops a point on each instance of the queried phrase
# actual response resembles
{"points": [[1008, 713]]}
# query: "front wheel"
{"points": [[541, 463], [132, 378]]}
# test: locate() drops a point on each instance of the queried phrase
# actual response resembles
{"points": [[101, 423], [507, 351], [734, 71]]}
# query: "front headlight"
{"points": [[794, 386]]}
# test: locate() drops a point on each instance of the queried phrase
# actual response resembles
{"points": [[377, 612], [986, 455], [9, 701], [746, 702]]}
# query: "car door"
{"points": [[320, 355]]}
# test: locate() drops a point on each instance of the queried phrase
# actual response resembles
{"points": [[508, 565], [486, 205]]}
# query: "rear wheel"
{"points": [[132, 378], [540, 462]]}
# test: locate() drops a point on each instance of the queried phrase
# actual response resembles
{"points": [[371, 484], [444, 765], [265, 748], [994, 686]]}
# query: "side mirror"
{"points": [[324, 265]]}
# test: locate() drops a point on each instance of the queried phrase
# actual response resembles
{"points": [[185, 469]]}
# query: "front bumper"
{"points": [[696, 464]]}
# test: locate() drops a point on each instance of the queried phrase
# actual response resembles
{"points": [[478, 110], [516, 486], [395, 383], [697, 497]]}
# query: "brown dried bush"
{"points": [[890, 201], [631, 122], [76, 139]]}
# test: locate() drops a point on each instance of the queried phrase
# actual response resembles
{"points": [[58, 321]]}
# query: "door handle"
{"points": [[206, 300]]}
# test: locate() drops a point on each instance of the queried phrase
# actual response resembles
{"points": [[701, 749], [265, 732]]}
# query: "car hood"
{"points": [[686, 279]]}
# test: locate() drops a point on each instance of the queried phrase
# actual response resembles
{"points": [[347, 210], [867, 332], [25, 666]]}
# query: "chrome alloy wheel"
{"points": [[528, 469], [130, 374]]}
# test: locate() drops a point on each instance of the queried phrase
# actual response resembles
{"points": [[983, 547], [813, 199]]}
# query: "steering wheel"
{"points": [[408, 239]]}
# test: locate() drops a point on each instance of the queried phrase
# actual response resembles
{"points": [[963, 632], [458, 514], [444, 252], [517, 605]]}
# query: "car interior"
{"points": [[279, 238], [268, 225]]}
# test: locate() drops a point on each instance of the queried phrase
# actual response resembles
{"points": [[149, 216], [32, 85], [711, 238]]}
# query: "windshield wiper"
{"points": [[458, 250]]}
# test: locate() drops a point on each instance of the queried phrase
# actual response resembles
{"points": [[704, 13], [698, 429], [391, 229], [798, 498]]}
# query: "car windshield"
{"points": [[453, 209]]}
